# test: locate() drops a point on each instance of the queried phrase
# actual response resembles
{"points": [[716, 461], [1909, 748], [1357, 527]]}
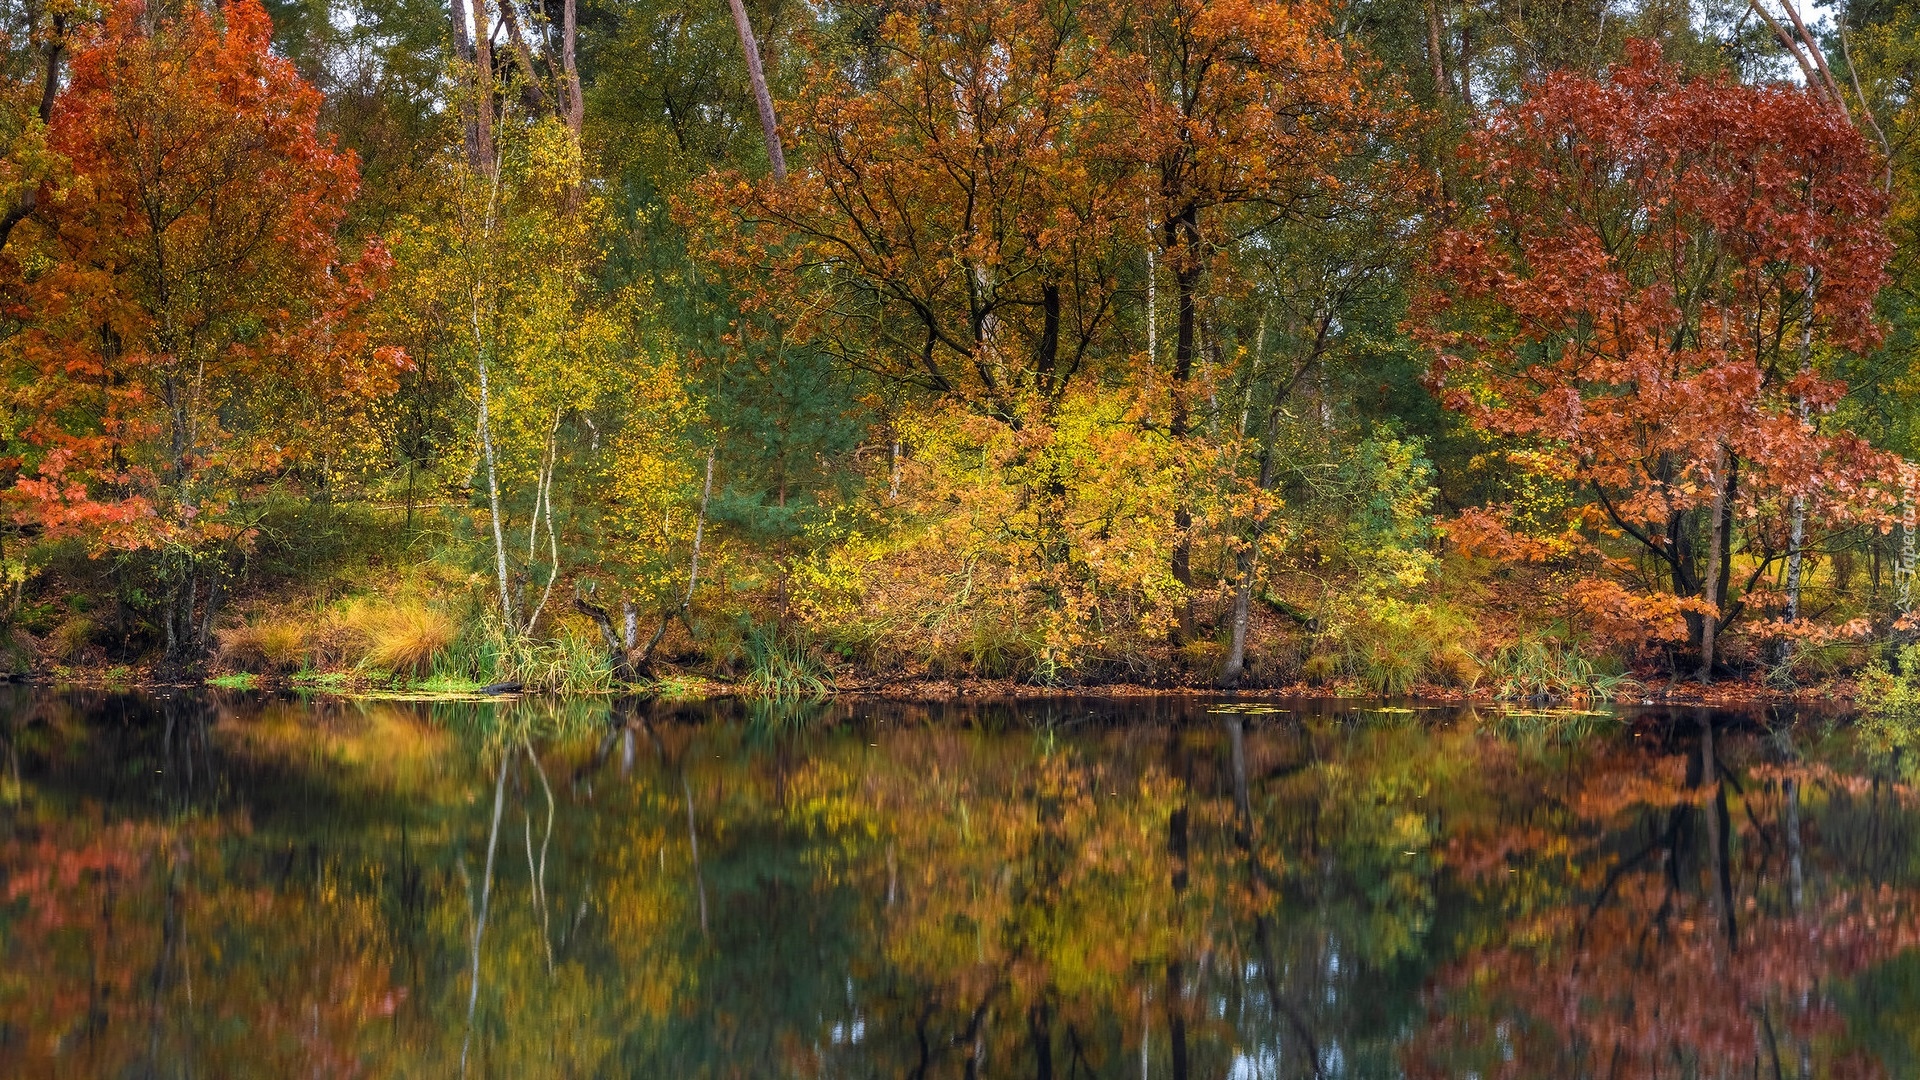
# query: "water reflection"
{"points": [[226, 885]]}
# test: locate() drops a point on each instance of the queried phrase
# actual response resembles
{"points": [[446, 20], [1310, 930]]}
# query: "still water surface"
{"points": [[222, 886]]}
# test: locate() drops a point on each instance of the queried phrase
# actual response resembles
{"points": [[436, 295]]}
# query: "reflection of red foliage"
{"points": [[1649, 981], [45, 871], [127, 921], [1624, 967]]}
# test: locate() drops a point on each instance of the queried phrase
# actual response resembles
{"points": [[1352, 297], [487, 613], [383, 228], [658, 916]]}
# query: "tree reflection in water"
{"points": [[211, 885]]}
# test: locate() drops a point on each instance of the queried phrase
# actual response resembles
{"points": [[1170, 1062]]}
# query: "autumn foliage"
{"points": [[1659, 266], [190, 327]]}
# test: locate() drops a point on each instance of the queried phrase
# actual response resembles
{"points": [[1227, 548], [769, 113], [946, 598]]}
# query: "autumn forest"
{"points": [[1546, 350]]}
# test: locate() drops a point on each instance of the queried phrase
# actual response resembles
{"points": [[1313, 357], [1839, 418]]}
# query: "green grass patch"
{"points": [[331, 681]]}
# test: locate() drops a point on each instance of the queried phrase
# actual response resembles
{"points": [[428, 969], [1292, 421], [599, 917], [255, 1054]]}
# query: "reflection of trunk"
{"points": [[1176, 989], [1146, 1033], [1176, 1019], [762, 100], [1242, 795], [1719, 829], [486, 900], [169, 944], [1282, 1009], [693, 846], [1040, 1027], [1796, 880], [537, 869]]}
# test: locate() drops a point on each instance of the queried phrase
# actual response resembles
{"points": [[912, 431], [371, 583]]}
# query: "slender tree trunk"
{"points": [[1798, 534], [1466, 55], [493, 489], [1183, 238], [1711, 590], [543, 513], [762, 100], [462, 38], [1153, 298], [693, 573], [1866, 108], [1247, 561]]}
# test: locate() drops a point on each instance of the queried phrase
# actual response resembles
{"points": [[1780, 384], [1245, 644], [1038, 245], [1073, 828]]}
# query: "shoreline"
{"points": [[1834, 694]]}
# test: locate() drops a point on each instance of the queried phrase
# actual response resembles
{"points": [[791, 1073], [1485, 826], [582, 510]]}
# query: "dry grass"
{"points": [[275, 644], [70, 638], [401, 637]]}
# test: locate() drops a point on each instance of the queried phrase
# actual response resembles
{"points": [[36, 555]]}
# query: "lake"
{"points": [[216, 885]]}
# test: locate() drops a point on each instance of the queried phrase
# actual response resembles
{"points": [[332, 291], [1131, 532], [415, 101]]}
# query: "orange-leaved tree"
{"points": [[1640, 295], [953, 217], [1243, 114], [190, 328]]}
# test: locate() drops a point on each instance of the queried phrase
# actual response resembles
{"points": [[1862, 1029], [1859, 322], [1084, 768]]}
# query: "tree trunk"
{"points": [[480, 153], [762, 100], [1183, 238], [1712, 589], [531, 93], [493, 484], [1153, 298], [1441, 90], [576, 103], [1798, 534], [29, 200], [1247, 561]]}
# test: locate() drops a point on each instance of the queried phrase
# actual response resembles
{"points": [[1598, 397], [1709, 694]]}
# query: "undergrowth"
{"points": [[782, 665], [1538, 668]]}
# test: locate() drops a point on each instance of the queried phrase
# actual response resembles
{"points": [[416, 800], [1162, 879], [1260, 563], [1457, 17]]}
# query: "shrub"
{"points": [[1889, 700]]}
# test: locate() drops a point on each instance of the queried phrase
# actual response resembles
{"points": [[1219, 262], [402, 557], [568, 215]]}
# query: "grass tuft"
{"points": [[781, 665], [403, 638]]}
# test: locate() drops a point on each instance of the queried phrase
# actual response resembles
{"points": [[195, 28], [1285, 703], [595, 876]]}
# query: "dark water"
{"points": [[209, 886]]}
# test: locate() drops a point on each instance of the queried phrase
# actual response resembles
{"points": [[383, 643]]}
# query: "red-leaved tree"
{"points": [[190, 328], [1641, 297]]}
